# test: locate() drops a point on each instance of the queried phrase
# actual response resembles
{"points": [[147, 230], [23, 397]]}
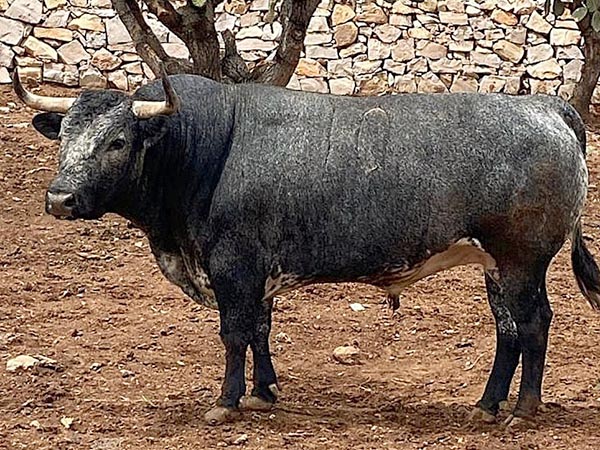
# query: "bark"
{"points": [[295, 17], [196, 28], [146, 42], [582, 97]]}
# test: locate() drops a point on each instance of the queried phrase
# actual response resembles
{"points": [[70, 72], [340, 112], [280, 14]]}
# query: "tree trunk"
{"points": [[582, 97], [195, 26]]}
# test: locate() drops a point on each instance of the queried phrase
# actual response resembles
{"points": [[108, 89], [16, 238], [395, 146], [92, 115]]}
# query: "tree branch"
{"points": [[233, 65], [295, 17], [146, 42], [196, 27]]}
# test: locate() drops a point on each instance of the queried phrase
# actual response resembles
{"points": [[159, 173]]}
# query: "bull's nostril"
{"points": [[60, 204], [69, 201]]}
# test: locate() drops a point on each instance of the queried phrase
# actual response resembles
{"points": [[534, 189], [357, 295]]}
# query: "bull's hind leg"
{"points": [[265, 390], [532, 315], [508, 351], [521, 289]]}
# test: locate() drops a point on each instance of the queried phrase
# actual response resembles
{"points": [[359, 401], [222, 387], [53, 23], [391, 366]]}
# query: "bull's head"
{"points": [[99, 137]]}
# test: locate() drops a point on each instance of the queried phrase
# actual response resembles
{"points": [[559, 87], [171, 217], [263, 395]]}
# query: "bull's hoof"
{"points": [[256, 403], [513, 422], [479, 415], [220, 415], [253, 403], [504, 406]]}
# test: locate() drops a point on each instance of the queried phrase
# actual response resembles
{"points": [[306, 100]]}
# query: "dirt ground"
{"points": [[138, 363]]}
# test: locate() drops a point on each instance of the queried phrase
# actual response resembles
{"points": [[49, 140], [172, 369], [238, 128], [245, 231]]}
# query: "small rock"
{"points": [[485, 59], [53, 4], [66, 422], [282, 338], [105, 60], [318, 25], [58, 34], [432, 50], [242, 439], [345, 34], [11, 31], [126, 373], [61, 73], [387, 33], [21, 362], [342, 14], [4, 76], [353, 50], [346, 354], [563, 37], [504, 18], [36, 424], [491, 83], [539, 53], [6, 56], [545, 70], [318, 52], [73, 53], [431, 83], [96, 366], [57, 19], [453, 18], [464, 84], [538, 24], [372, 13], [509, 51], [29, 11], [88, 22], [405, 84], [357, 307], [314, 85], [116, 32], [342, 86], [118, 80], [377, 50]]}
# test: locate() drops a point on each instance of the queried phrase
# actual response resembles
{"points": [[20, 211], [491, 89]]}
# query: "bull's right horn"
{"points": [[49, 104], [144, 109]]}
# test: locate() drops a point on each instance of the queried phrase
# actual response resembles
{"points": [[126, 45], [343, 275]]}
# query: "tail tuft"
{"points": [[585, 268]]}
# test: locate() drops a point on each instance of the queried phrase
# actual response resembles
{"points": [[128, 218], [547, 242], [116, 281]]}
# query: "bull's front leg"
{"points": [[238, 292], [265, 390]]}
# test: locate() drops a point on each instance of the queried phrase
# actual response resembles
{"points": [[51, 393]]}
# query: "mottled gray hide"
{"points": [[250, 191]]}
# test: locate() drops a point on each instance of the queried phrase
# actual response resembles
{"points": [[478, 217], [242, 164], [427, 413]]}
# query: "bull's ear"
{"points": [[48, 124]]}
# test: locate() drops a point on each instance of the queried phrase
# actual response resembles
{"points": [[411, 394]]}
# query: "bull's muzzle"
{"points": [[60, 204]]}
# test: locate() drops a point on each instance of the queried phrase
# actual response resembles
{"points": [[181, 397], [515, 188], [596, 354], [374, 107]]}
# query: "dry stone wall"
{"points": [[363, 47]]}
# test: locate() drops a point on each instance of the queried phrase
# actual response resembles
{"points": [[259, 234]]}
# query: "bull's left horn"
{"points": [[49, 104], [147, 109]]}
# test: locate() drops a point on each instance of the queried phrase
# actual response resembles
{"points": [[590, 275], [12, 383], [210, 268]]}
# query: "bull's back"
{"points": [[354, 180]]}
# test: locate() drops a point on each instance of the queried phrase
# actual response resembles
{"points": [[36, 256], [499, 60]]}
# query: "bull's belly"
{"points": [[395, 278], [194, 282]]}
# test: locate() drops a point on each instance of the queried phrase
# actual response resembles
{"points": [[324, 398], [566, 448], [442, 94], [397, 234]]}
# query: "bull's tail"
{"points": [[585, 268]]}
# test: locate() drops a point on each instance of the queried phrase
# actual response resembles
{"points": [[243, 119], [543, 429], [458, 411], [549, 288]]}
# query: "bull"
{"points": [[249, 191]]}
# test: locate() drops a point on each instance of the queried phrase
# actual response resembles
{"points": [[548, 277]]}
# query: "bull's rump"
{"points": [[331, 184]]}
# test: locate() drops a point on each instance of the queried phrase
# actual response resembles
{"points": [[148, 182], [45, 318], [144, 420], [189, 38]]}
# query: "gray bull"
{"points": [[249, 191]]}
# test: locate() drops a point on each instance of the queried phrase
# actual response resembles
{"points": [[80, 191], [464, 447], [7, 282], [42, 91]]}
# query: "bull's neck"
{"points": [[172, 192]]}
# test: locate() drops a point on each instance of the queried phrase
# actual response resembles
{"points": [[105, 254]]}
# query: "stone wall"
{"points": [[353, 47]]}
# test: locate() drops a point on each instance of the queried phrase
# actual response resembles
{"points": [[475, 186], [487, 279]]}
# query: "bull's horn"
{"points": [[49, 104], [147, 109]]}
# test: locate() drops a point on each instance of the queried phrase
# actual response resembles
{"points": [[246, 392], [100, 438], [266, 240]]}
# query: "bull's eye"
{"points": [[117, 144]]}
